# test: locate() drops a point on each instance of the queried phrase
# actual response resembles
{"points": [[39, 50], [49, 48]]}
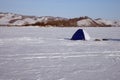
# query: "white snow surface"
{"points": [[34, 53]]}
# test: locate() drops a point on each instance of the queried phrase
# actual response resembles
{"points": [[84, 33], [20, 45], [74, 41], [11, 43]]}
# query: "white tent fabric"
{"points": [[87, 37]]}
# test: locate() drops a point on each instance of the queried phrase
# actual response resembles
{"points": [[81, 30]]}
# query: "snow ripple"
{"points": [[62, 55], [21, 40]]}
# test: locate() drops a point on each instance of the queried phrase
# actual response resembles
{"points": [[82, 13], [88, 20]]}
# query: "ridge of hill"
{"points": [[11, 19]]}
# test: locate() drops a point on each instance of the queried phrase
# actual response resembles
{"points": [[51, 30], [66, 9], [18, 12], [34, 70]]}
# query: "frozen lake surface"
{"points": [[32, 53]]}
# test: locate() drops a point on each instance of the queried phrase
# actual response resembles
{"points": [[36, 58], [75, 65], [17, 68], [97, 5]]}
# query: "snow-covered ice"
{"points": [[33, 53]]}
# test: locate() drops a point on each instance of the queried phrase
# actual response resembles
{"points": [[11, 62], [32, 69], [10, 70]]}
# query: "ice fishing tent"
{"points": [[80, 35]]}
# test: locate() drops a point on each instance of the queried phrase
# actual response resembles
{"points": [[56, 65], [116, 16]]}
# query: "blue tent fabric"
{"points": [[78, 35]]}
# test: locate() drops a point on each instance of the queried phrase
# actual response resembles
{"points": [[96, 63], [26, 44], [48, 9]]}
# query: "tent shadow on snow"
{"points": [[110, 39]]}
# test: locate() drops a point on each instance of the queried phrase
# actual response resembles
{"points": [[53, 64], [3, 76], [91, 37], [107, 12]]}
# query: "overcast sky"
{"points": [[108, 9]]}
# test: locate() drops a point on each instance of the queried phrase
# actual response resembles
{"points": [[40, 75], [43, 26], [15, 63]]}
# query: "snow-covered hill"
{"points": [[20, 20], [86, 21], [108, 22], [10, 19]]}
